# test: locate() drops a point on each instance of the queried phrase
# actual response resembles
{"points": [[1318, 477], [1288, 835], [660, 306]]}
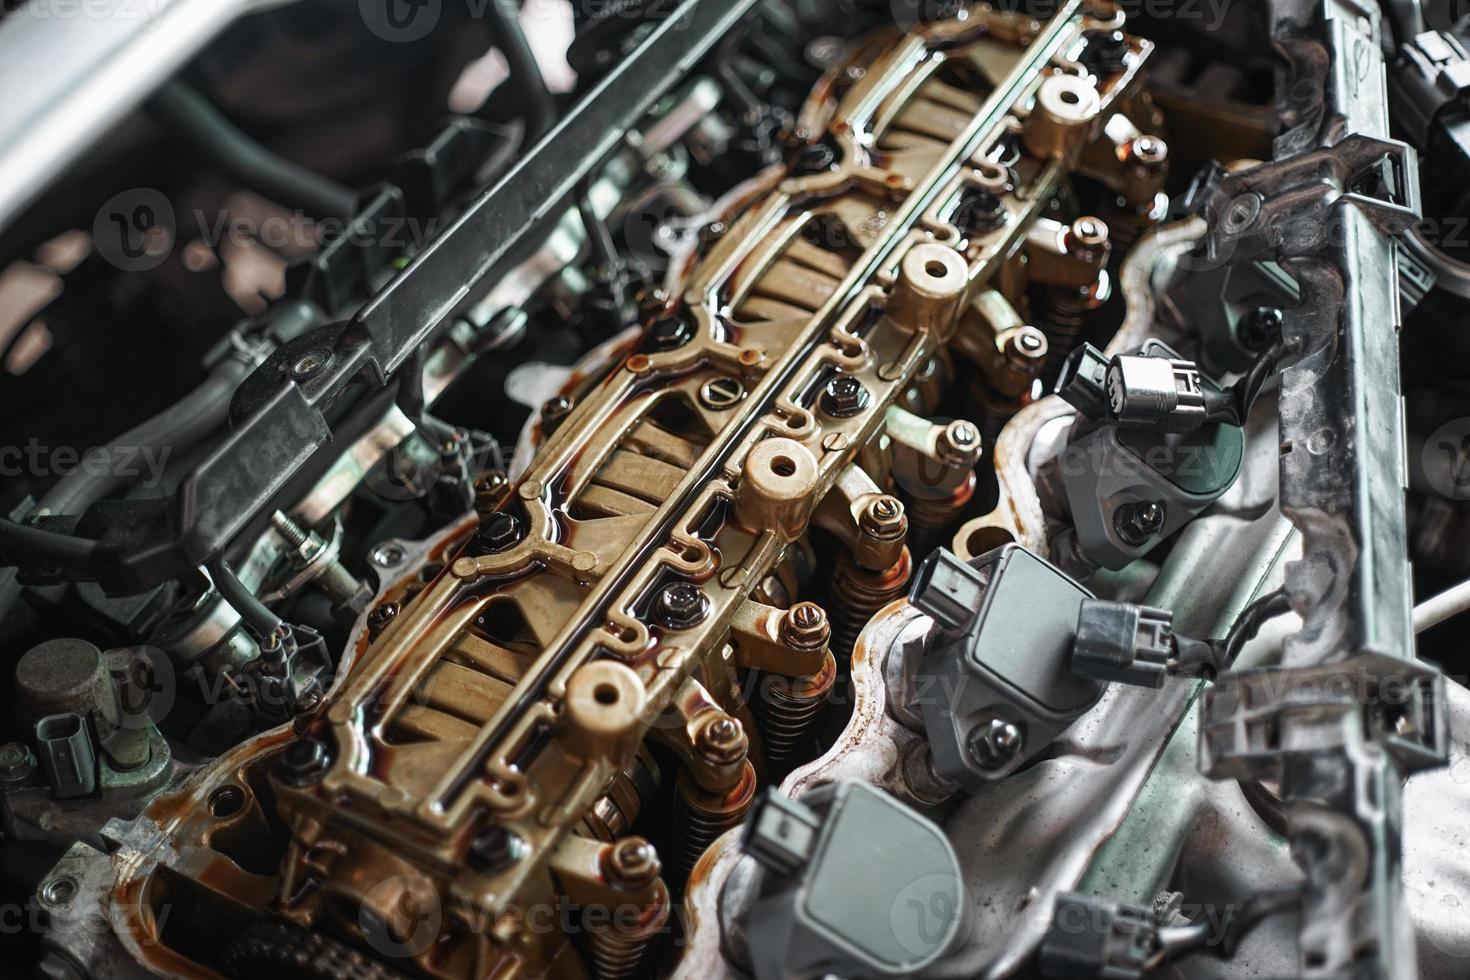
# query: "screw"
{"points": [[495, 850], [488, 490], [884, 519], [979, 212], [310, 364], [721, 741], [631, 863], [959, 443], [1087, 238], [1137, 522], [680, 606], [844, 397], [1150, 151], [303, 763], [380, 617], [719, 394], [805, 627], [555, 412], [995, 742], [498, 532], [1261, 328], [668, 333], [1106, 52], [814, 159], [16, 763]]}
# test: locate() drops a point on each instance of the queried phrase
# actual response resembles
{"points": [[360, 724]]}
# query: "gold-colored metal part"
{"points": [[510, 699]]}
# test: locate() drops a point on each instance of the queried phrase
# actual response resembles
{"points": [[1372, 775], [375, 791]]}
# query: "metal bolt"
{"points": [[381, 616], [980, 211], [1106, 51], [844, 397], [310, 364], [555, 412], [719, 394], [303, 763], [959, 443], [631, 863], [668, 333], [1137, 522], [995, 743], [884, 519], [1150, 151], [721, 741], [680, 606], [498, 532], [1087, 237], [16, 763], [489, 488], [495, 849], [1261, 328], [805, 627], [814, 159]]}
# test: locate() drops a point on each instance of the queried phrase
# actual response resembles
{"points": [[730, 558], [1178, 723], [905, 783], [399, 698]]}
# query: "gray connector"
{"points": [[995, 685], [64, 746], [856, 884], [1094, 939], [1118, 641], [1158, 393]]}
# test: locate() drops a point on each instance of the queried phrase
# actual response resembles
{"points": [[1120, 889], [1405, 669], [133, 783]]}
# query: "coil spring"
{"points": [[618, 949], [929, 519], [790, 706], [1064, 321], [700, 817], [858, 593]]}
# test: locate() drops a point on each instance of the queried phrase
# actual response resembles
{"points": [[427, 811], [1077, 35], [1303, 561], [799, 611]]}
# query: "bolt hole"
{"points": [[936, 269], [783, 466], [605, 694], [1070, 97], [983, 540], [59, 890], [226, 802]]}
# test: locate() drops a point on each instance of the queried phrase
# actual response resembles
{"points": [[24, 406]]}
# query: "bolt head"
{"points": [[1106, 52], [1087, 234], [16, 762], [381, 616], [995, 742], [1137, 522], [495, 849], [884, 519], [498, 532], [632, 863], [721, 741], [667, 333], [979, 212], [959, 443], [806, 626], [555, 412], [1150, 150], [681, 605], [844, 397], [304, 762]]}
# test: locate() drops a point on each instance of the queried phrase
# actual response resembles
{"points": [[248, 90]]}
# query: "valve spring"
{"points": [[789, 708], [701, 817], [1065, 321], [858, 593], [930, 520], [618, 948]]}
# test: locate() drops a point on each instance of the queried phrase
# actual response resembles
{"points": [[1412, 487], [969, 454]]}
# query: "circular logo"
{"points": [[401, 21], [926, 914], [401, 916], [1445, 459], [135, 230]]}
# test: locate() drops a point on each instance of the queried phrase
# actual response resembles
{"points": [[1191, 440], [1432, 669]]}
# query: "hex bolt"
{"points": [[721, 740], [995, 742], [17, 762], [489, 488], [1261, 328], [1087, 238], [844, 397], [959, 443], [884, 519], [303, 763], [1137, 522], [668, 333], [631, 863], [979, 212], [381, 616], [499, 532], [680, 605], [1106, 51], [555, 412], [1149, 152], [805, 627], [814, 159], [495, 849]]}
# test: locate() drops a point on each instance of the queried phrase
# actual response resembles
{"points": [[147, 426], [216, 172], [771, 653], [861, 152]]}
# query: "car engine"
{"points": [[734, 488]]}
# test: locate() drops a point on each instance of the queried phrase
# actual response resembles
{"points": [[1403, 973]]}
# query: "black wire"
{"points": [[259, 619], [196, 119], [1248, 624], [538, 105], [23, 544]]}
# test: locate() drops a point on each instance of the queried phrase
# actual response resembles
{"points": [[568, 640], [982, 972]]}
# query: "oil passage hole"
{"points": [[1070, 97], [605, 694], [936, 269], [783, 466], [226, 802]]}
